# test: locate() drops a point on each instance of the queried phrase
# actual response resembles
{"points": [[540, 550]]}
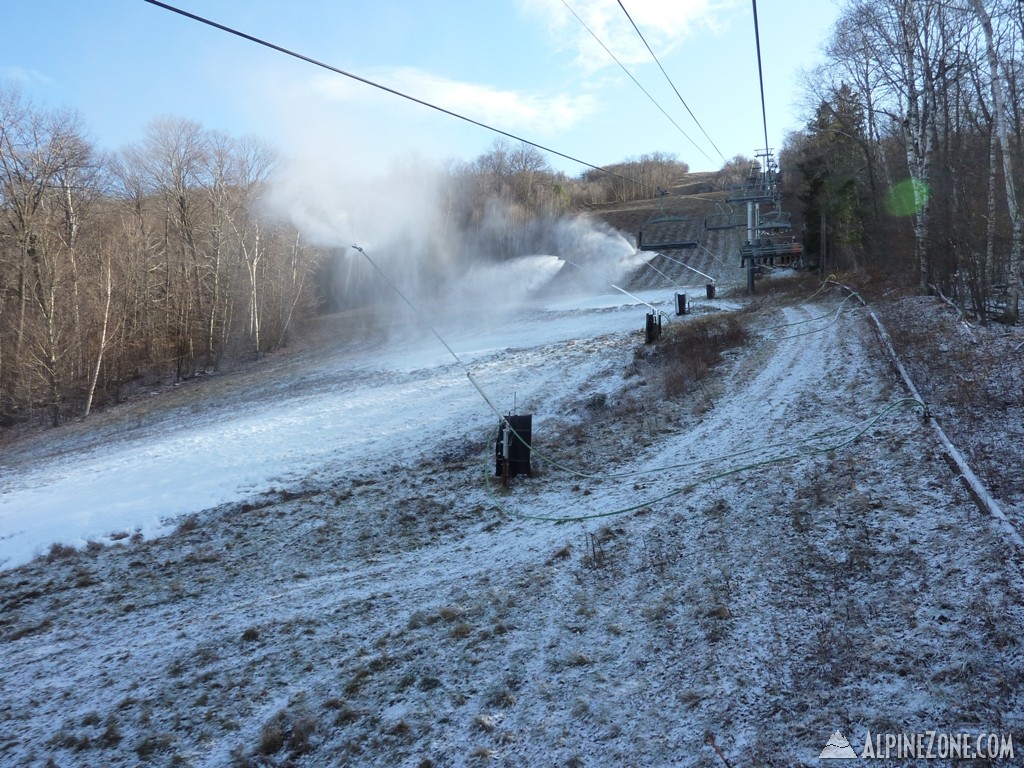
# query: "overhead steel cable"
{"points": [[637, 82], [760, 76], [387, 89], [465, 368], [681, 99]]}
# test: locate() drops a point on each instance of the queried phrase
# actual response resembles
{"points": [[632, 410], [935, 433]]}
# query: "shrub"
{"points": [[293, 731], [60, 552], [690, 349]]}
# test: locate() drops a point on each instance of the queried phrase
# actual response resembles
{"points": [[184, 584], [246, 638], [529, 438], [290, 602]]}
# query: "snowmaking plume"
{"points": [[445, 251]]}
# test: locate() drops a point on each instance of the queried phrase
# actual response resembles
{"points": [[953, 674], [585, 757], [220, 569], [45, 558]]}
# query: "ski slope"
{"points": [[337, 582]]}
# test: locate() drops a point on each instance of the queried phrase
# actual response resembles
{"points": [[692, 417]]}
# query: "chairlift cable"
{"points": [[760, 76], [681, 99], [387, 89], [637, 82]]}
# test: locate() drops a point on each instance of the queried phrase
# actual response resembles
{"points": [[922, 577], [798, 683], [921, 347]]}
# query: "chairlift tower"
{"points": [[761, 246]]}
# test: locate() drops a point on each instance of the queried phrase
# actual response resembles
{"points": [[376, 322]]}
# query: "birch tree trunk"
{"points": [[918, 135], [109, 292], [252, 257], [1002, 136], [298, 280]]}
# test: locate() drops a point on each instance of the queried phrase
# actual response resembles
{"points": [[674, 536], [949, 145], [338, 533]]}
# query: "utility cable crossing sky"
{"points": [[395, 92], [637, 82], [478, 123], [760, 76], [681, 99]]}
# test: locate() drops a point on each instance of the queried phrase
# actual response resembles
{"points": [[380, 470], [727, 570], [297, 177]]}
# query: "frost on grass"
{"points": [[397, 612]]}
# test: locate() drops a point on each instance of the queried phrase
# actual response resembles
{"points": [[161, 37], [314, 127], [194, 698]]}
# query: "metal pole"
{"points": [[750, 239], [821, 258]]}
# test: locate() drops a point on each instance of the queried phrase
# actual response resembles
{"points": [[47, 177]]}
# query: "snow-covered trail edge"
{"points": [[404, 620]]}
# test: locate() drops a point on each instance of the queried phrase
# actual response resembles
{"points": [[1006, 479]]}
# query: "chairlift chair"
{"points": [[775, 221], [766, 251], [668, 233], [751, 194], [722, 218]]}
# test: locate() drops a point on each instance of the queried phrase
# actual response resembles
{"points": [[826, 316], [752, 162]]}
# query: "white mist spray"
{"points": [[406, 217]]}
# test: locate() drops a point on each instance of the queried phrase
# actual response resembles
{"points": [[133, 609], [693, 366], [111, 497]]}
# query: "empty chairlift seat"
{"points": [[775, 221], [668, 233], [720, 220]]}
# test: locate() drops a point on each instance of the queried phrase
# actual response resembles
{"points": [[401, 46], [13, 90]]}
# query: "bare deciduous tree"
{"points": [[1001, 139]]}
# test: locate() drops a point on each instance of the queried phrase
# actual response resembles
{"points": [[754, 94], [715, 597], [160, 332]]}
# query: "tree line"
{"points": [[158, 259], [507, 197], [912, 160], [164, 261]]}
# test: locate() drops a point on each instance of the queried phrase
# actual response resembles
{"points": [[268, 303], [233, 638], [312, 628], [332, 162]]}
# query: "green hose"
{"points": [[858, 431]]}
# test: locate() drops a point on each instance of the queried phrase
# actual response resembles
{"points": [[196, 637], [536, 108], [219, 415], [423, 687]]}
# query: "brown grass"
{"points": [[60, 552], [687, 351]]}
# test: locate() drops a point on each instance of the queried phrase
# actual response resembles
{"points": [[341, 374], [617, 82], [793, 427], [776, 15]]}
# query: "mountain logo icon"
{"points": [[838, 748]]}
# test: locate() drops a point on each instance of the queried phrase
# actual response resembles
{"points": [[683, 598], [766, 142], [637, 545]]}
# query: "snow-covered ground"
{"points": [[364, 404], [340, 582]]}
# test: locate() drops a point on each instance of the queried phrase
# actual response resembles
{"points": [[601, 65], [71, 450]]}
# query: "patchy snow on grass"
{"points": [[341, 581], [368, 406]]}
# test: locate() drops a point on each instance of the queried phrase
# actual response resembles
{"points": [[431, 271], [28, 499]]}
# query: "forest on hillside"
{"points": [[912, 158], [168, 258]]}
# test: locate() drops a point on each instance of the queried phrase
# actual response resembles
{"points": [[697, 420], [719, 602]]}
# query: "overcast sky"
{"points": [[528, 67]]}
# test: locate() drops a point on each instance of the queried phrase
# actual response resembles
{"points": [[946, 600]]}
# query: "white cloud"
{"points": [[25, 76], [509, 110], [665, 24]]}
